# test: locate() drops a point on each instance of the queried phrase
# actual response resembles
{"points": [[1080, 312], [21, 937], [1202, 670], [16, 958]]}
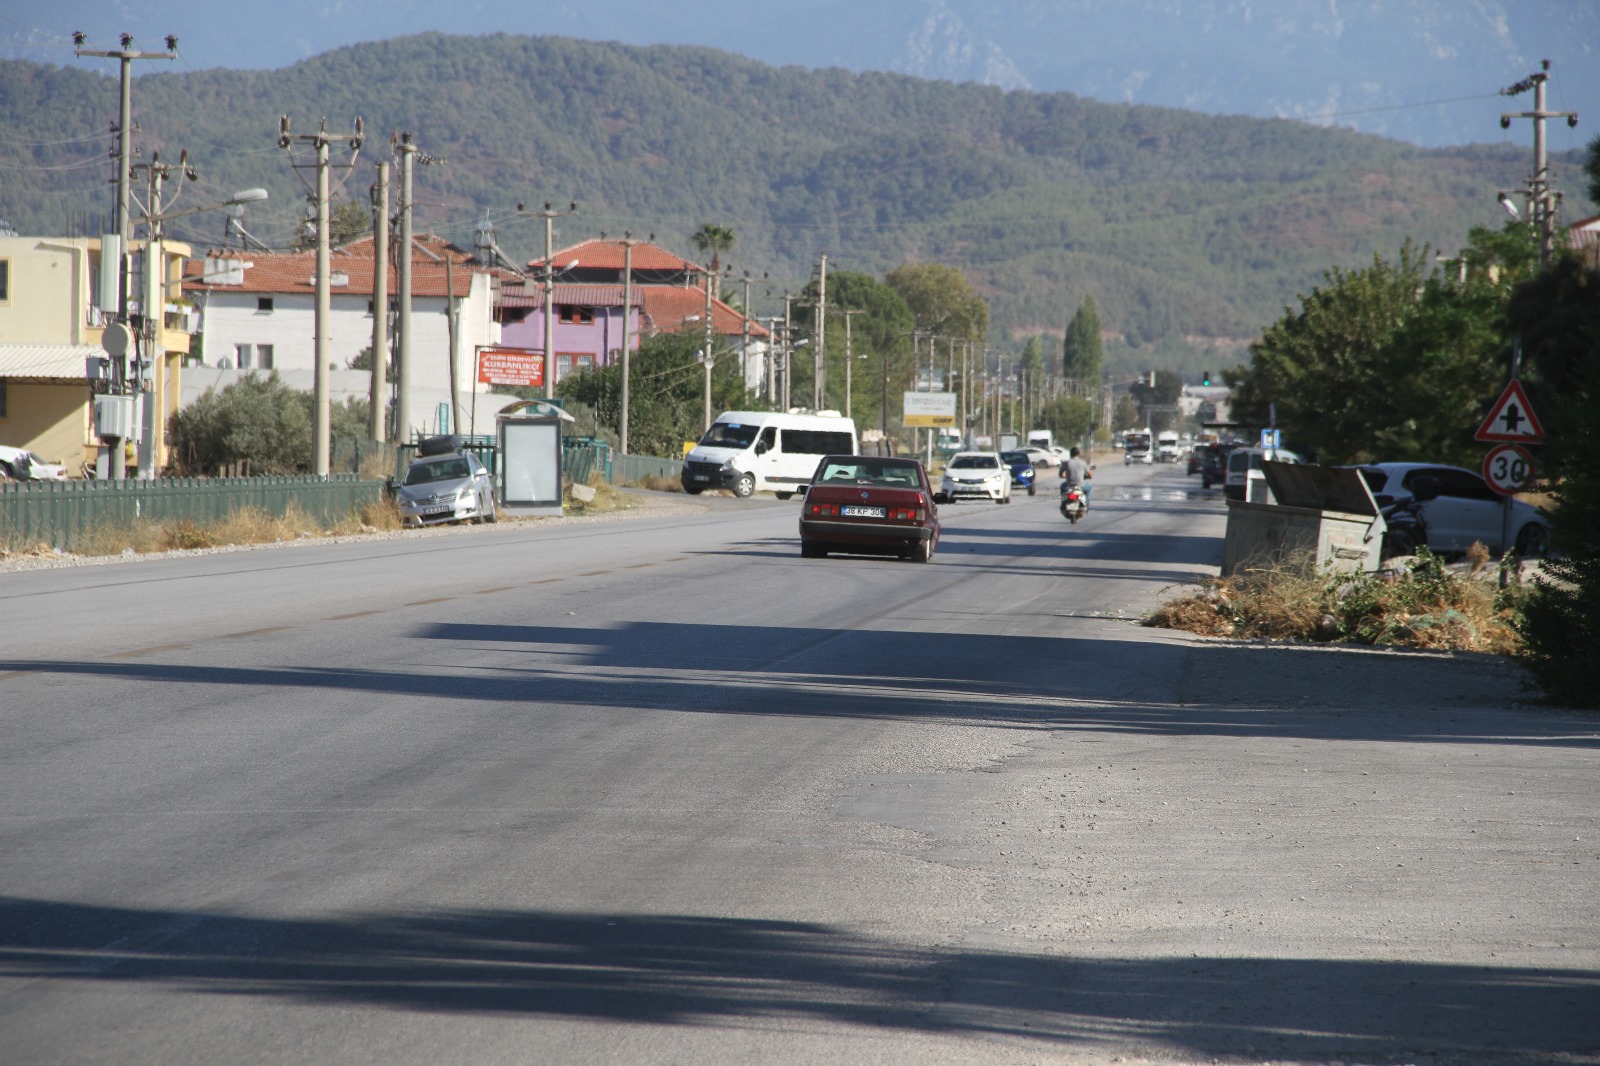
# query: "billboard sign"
{"points": [[511, 366], [930, 409]]}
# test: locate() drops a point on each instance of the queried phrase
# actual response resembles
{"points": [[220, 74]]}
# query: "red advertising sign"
{"points": [[511, 366]]}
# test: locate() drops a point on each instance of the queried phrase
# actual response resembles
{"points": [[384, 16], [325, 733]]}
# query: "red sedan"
{"points": [[869, 503]]}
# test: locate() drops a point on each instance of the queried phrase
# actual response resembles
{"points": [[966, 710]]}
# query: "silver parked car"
{"points": [[451, 487]]}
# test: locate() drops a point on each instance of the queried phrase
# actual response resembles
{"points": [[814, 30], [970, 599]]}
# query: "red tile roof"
{"points": [[295, 272], [666, 307], [531, 294], [608, 255]]}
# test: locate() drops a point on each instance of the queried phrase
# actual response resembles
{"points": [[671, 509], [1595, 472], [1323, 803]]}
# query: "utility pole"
{"points": [[409, 157], [627, 243], [120, 384], [744, 331], [378, 394], [320, 412], [819, 386], [1542, 201], [706, 355], [849, 358], [549, 214], [150, 381], [772, 359], [788, 346]]}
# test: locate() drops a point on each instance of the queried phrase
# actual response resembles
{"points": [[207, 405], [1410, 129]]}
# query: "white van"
{"points": [[1167, 449], [1136, 446], [747, 451], [1244, 465]]}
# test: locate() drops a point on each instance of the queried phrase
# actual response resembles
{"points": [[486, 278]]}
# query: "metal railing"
{"points": [[62, 513]]}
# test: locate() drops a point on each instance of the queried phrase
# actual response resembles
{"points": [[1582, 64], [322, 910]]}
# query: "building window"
{"points": [[575, 316], [241, 356], [264, 356], [263, 305], [5, 281]]}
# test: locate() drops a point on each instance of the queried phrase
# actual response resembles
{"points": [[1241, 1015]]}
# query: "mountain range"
{"points": [[1190, 231], [1425, 71]]}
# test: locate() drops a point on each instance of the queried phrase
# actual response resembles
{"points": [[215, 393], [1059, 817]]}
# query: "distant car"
{"points": [[449, 486], [1214, 462], [869, 504], [1023, 474], [977, 474], [19, 464], [1465, 510], [1243, 460], [1039, 456]]}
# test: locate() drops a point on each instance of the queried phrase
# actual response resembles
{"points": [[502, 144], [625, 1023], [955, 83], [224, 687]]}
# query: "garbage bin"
{"points": [[1324, 518]]}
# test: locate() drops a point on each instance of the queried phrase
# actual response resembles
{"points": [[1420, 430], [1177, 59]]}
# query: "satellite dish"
{"points": [[115, 340]]}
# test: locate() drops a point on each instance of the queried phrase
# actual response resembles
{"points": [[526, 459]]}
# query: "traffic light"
{"points": [[1205, 379]]}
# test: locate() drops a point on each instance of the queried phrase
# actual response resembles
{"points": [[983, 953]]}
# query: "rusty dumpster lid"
{"points": [[1320, 488]]}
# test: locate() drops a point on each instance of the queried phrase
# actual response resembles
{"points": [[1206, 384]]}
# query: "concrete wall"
{"points": [[50, 420]]}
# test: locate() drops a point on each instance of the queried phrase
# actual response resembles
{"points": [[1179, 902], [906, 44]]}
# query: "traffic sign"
{"points": [[1508, 469], [1511, 418]]}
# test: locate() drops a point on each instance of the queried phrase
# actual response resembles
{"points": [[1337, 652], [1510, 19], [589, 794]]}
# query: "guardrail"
{"points": [[61, 513]]}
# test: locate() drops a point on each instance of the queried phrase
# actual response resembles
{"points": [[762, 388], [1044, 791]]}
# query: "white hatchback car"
{"points": [[21, 465], [970, 475], [1465, 510]]}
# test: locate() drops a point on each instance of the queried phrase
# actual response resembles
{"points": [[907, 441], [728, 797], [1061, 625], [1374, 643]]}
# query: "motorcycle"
{"points": [[1405, 528], [1074, 504]]}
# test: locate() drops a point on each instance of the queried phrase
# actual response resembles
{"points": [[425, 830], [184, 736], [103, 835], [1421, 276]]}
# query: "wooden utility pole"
{"points": [[320, 419], [121, 385], [378, 392]]}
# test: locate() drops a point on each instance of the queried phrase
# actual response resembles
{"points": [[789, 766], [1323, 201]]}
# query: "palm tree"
{"points": [[716, 240]]}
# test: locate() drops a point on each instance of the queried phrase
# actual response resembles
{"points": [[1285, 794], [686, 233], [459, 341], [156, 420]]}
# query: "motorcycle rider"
{"points": [[1076, 472]]}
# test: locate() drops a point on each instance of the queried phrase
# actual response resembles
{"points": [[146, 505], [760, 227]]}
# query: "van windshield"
{"points": [[730, 435]]}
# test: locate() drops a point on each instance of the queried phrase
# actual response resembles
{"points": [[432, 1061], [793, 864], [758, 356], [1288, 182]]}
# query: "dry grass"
{"points": [[1426, 606], [247, 525], [606, 498], [659, 484]]}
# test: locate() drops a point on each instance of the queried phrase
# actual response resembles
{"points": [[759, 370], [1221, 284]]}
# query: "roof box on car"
{"points": [[450, 442]]}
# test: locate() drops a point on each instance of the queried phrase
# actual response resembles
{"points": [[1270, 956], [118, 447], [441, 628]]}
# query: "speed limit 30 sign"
{"points": [[1508, 469]]}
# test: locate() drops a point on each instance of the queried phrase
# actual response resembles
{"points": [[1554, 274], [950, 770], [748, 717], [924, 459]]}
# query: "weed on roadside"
{"points": [[1425, 605]]}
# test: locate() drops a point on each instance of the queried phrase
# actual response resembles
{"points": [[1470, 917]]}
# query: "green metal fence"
{"points": [[61, 513], [627, 469]]}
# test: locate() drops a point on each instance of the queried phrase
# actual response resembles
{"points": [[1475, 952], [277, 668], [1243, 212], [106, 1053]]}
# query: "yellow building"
{"points": [[50, 325]]}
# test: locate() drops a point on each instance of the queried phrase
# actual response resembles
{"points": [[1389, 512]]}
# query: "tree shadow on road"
{"points": [[690, 970]]}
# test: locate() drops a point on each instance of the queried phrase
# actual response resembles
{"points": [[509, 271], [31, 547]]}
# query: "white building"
{"points": [[258, 312]]}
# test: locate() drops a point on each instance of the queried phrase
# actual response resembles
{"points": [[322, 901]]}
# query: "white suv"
{"points": [[976, 474]]}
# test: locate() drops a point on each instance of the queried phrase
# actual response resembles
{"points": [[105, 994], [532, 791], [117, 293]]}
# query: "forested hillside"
{"points": [[1179, 225]]}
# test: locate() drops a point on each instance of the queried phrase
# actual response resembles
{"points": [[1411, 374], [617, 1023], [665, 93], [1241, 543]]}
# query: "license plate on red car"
{"points": [[863, 512]]}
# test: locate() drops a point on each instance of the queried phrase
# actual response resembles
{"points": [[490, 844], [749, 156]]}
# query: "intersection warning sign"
{"points": [[1511, 419]]}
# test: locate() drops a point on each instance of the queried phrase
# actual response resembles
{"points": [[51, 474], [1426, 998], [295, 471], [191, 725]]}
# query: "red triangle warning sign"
{"points": [[1511, 419]]}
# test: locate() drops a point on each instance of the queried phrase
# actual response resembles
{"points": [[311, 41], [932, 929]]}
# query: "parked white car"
{"points": [[970, 475], [18, 464], [1465, 510]]}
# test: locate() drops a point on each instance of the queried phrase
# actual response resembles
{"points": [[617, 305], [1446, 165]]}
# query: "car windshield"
{"points": [[883, 473], [1015, 457], [973, 462], [451, 468], [730, 435]]}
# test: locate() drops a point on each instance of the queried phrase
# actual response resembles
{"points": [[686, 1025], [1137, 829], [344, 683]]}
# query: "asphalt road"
{"points": [[658, 790]]}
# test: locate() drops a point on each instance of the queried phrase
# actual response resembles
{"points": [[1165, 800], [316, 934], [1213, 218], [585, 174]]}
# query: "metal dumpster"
{"points": [[1324, 518]]}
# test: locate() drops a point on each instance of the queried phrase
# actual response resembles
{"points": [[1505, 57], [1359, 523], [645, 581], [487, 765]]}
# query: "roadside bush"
{"points": [[257, 421], [1425, 607]]}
